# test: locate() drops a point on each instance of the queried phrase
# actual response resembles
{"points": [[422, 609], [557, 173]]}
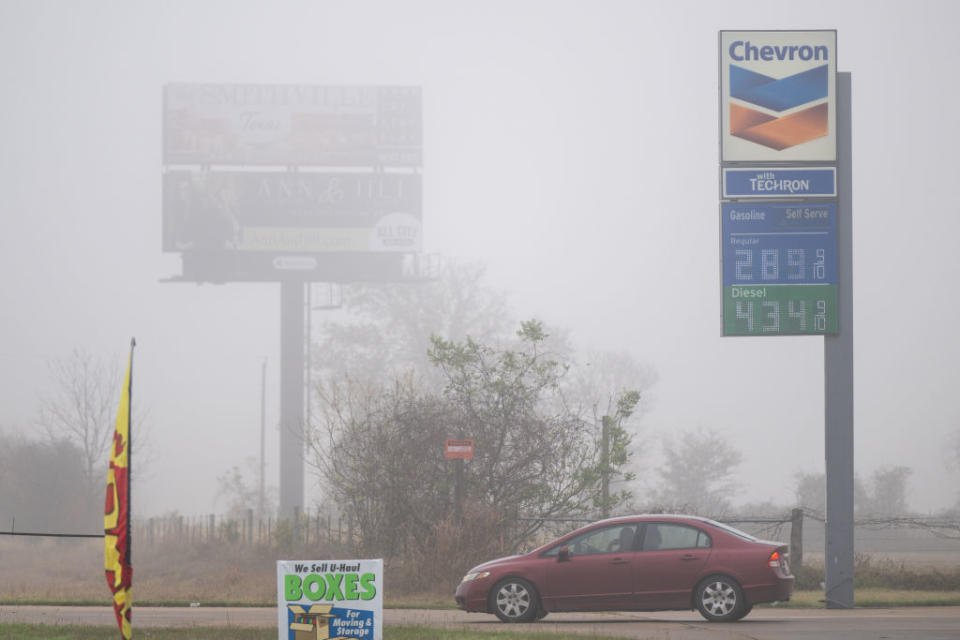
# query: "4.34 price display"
{"points": [[780, 310]]}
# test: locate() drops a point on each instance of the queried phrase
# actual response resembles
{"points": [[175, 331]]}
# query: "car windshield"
{"points": [[731, 530]]}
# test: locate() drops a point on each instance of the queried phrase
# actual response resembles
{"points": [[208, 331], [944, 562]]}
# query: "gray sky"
{"points": [[571, 146]]}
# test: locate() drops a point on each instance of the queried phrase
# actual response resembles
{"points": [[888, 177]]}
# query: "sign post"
{"points": [[458, 450]]}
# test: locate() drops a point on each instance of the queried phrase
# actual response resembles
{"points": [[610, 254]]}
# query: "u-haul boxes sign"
{"points": [[778, 96], [329, 599]]}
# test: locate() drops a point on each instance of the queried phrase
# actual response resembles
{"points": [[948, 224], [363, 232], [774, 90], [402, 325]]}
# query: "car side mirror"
{"points": [[563, 554]]}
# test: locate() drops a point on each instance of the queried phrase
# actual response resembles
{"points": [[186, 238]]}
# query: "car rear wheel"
{"points": [[720, 599], [515, 600]]}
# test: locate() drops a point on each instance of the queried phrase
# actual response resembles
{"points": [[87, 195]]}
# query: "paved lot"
{"points": [[927, 623]]}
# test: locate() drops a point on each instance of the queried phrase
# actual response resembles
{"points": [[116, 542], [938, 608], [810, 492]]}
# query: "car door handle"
{"points": [[618, 561], [687, 557]]}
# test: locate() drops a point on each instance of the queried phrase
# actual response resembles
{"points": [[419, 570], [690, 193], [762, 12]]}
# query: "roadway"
{"points": [[915, 623]]}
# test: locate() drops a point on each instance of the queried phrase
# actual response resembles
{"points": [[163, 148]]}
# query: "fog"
{"points": [[571, 147]]}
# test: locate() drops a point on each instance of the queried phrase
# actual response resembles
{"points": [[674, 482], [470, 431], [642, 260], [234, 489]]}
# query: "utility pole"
{"points": [[605, 467], [261, 497]]}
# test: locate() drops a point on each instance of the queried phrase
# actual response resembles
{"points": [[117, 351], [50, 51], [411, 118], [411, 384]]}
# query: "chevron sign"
{"points": [[777, 96]]}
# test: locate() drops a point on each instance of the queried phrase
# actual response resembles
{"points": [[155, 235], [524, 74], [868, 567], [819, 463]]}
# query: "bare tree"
{"points": [[697, 473], [380, 446], [81, 408], [810, 493], [42, 487], [886, 496], [239, 489], [390, 326]]}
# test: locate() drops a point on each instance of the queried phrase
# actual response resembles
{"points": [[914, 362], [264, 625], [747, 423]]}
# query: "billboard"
{"points": [[254, 124], [778, 96], [284, 212]]}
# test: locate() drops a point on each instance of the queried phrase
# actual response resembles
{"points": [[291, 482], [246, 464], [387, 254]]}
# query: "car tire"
{"points": [[515, 600], [720, 599]]}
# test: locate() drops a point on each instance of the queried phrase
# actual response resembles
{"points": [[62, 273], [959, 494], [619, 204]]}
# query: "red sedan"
{"points": [[634, 563]]}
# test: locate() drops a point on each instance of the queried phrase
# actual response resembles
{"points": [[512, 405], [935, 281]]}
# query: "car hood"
{"points": [[491, 564]]}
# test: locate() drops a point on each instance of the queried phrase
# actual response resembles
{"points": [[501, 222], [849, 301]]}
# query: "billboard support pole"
{"points": [[291, 397], [838, 380]]}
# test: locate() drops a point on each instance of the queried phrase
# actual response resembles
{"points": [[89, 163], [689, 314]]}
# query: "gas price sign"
{"points": [[779, 268]]}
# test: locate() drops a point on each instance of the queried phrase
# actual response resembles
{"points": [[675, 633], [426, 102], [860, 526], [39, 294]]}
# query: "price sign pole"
{"points": [[838, 381]]}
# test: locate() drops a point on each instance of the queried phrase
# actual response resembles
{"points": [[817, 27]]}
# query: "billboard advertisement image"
{"points": [[248, 124], [285, 212]]}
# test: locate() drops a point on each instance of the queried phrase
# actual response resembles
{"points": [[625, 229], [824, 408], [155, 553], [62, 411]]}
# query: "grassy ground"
{"points": [[66, 571], [51, 632], [877, 597], [802, 599]]}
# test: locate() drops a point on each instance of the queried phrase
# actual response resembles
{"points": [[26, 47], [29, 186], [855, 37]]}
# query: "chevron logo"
{"points": [[779, 95]]}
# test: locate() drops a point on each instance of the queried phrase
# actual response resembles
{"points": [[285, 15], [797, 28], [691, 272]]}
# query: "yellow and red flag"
{"points": [[116, 518]]}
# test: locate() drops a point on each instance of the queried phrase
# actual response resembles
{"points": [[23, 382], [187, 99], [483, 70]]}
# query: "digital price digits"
{"points": [[768, 314], [775, 265], [780, 310], [779, 268]]}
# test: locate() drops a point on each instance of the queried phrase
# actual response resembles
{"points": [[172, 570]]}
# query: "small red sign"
{"points": [[459, 448]]}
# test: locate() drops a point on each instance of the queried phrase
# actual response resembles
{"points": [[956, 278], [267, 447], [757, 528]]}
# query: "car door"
{"points": [[670, 564], [595, 574]]}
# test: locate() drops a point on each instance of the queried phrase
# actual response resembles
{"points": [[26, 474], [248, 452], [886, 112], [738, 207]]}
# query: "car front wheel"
{"points": [[720, 599], [515, 600]]}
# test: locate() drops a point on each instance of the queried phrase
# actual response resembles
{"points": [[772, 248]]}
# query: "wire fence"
{"points": [[804, 529]]}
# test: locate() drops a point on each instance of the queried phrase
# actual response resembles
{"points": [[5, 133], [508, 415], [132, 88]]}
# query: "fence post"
{"points": [[295, 528], [796, 542], [350, 532]]}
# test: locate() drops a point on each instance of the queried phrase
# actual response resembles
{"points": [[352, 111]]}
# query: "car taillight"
{"points": [[774, 560]]}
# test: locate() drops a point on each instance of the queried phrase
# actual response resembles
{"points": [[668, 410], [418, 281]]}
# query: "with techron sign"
{"points": [[778, 96]]}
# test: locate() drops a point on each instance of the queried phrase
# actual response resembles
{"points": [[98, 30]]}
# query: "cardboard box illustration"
{"points": [[312, 623]]}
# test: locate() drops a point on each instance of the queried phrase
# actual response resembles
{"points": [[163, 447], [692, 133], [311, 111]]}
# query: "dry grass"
{"points": [[873, 597], [70, 570]]}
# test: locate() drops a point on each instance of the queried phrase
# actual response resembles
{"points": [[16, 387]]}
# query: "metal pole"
{"points": [[838, 380], [291, 398], [605, 468], [261, 497], [458, 490]]}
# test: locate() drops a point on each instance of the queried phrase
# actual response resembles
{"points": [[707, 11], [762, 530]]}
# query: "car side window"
{"points": [[703, 540], [613, 539], [662, 536]]}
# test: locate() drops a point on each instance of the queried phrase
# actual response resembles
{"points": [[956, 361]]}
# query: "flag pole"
{"points": [[117, 524], [133, 343]]}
